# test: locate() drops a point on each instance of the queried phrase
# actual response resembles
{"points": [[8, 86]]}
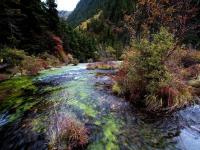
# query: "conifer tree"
{"points": [[52, 15], [10, 16]]}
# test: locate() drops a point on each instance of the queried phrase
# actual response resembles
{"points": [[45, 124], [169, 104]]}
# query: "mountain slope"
{"points": [[64, 14], [85, 10], [103, 20], [112, 9]]}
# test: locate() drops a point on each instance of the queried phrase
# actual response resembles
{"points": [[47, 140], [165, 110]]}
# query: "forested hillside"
{"points": [[113, 10], [119, 21], [85, 10], [24, 24], [103, 20]]}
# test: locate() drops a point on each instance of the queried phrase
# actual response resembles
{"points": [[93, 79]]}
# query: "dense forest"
{"points": [[110, 75], [25, 23], [31, 27]]}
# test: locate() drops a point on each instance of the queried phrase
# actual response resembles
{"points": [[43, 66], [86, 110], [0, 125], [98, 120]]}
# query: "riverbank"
{"points": [[18, 63]]}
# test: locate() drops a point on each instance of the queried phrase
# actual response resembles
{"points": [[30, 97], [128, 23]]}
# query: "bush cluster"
{"points": [[149, 75], [19, 62]]}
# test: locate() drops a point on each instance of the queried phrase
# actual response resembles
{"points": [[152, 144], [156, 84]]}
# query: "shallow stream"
{"points": [[30, 108]]}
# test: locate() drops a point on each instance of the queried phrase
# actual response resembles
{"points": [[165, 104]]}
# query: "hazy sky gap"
{"points": [[68, 5]]}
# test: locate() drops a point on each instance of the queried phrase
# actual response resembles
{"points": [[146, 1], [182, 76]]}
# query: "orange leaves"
{"points": [[176, 15]]}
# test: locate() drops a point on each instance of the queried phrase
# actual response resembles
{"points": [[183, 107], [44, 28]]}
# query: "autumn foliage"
{"points": [[179, 16], [60, 50]]}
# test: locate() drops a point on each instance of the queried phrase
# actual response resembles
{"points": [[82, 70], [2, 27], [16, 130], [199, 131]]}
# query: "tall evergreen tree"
{"points": [[52, 13], [10, 16], [35, 15]]}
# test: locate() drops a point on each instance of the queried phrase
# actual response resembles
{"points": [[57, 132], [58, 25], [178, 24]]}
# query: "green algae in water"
{"points": [[52, 71], [14, 96], [83, 95], [38, 124], [82, 88], [50, 89], [111, 127], [17, 83], [88, 110], [76, 90], [23, 107]]}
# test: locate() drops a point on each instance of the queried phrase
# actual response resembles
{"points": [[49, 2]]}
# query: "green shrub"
{"points": [[12, 57], [146, 78], [150, 65]]}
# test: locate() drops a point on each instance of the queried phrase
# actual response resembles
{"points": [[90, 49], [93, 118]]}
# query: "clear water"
{"points": [[30, 109]]}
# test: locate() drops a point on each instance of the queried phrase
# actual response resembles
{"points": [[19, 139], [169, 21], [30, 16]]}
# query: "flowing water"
{"points": [[30, 109]]}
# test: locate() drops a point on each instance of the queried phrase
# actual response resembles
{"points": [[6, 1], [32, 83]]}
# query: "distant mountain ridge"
{"points": [[64, 14]]}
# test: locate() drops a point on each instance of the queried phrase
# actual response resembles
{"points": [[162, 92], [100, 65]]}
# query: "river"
{"points": [[30, 108]]}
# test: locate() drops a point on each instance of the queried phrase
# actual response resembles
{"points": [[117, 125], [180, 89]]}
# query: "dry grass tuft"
{"points": [[102, 66], [69, 133]]}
